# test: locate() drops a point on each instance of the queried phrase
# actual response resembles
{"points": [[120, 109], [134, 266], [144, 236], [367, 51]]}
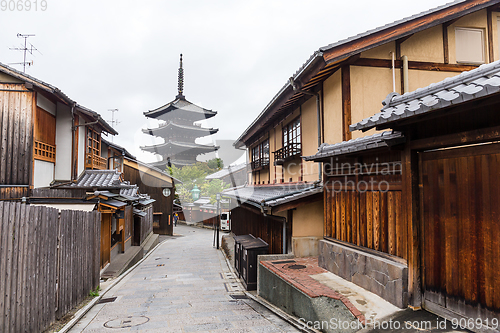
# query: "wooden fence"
{"points": [[49, 263]]}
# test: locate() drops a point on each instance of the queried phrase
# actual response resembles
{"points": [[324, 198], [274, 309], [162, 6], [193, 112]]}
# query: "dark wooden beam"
{"points": [[298, 203], [404, 29], [415, 65], [346, 103], [463, 138], [410, 201], [446, 51], [489, 28]]}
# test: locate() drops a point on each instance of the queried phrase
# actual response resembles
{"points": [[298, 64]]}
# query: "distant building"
{"points": [[234, 175], [178, 130]]}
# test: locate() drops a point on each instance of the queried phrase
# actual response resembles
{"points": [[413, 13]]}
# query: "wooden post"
{"points": [[410, 201], [346, 102]]}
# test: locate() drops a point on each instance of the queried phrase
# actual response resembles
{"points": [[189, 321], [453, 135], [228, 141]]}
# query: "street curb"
{"points": [[83, 311], [277, 311]]}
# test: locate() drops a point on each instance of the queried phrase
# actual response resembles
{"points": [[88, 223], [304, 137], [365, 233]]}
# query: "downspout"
{"points": [[73, 138], [393, 73], [318, 114]]}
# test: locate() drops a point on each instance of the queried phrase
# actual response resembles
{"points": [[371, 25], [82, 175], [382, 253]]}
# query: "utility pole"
{"points": [[25, 49], [113, 121]]}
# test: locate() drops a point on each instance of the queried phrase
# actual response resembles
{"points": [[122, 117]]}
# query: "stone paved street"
{"points": [[184, 286]]}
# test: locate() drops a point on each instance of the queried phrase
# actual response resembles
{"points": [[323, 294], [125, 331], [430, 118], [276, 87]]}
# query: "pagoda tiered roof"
{"points": [[172, 148], [189, 110], [167, 129]]}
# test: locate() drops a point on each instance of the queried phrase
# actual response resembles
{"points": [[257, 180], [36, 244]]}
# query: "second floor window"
{"points": [[260, 155], [291, 133], [93, 159]]}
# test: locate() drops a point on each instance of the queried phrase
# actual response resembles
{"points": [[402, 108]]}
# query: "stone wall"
{"points": [[382, 276]]}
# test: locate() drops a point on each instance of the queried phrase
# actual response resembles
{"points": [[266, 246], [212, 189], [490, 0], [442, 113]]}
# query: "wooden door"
{"points": [[461, 231], [105, 238]]}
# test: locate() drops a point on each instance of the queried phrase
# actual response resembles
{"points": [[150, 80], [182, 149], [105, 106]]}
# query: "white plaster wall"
{"points": [[81, 148], [45, 104], [44, 173], [63, 142]]}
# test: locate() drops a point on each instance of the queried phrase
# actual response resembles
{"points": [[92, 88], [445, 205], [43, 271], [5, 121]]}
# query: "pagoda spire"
{"points": [[180, 81]]}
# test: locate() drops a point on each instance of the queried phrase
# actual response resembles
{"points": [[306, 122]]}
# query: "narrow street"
{"points": [[185, 285]]}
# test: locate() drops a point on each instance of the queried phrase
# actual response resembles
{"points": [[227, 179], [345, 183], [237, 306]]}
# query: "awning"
{"points": [[269, 198], [85, 207]]}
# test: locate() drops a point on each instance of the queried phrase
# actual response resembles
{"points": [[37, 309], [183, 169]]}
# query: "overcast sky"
{"points": [[237, 54]]}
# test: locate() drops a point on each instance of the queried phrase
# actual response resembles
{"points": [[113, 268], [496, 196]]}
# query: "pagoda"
{"points": [[178, 129]]}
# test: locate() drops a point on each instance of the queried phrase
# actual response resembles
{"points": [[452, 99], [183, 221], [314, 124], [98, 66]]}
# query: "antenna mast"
{"points": [[113, 121], [25, 49]]}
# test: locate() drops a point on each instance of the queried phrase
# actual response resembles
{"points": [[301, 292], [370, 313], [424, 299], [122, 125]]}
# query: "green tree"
{"points": [[195, 174]]}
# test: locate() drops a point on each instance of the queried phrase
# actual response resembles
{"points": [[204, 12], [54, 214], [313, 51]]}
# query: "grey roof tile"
{"points": [[377, 140], [272, 195], [480, 82], [101, 179]]}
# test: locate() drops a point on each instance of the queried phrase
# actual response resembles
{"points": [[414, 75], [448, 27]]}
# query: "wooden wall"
{"points": [[154, 188], [363, 203], [461, 234], [370, 219], [12, 192], [270, 229], [16, 135], [48, 263]]}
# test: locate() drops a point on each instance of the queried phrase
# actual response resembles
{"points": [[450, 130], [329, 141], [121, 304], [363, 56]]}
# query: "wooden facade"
{"points": [[153, 182], [460, 229], [362, 202], [268, 228], [16, 136]]}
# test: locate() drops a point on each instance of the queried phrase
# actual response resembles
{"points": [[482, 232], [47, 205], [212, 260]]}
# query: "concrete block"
{"points": [[385, 277]]}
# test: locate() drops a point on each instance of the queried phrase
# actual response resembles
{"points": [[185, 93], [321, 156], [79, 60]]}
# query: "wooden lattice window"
{"points": [[45, 152], [93, 159]]}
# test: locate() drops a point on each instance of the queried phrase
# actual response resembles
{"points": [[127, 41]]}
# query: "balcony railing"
{"points": [[260, 163], [95, 162], [44, 151], [287, 152]]}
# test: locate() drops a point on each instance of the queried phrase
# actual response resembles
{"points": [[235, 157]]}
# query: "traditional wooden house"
{"points": [[126, 213], [45, 136], [431, 222], [335, 88], [159, 186]]}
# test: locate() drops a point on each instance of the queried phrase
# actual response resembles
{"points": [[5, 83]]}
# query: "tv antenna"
{"points": [[113, 121], [25, 49]]}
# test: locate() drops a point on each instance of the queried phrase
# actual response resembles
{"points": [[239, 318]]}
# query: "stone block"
{"points": [[385, 277]]}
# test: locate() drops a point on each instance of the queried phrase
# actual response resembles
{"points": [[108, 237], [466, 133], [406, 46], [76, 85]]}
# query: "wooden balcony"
{"points": [[44, 151], [286, 153], [260, 163], [95, 162]]}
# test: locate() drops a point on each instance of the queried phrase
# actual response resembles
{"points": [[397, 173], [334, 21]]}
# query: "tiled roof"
{"points": [[272, 195], [101, 179], [226, 171], [378, 140], [56, 91], [308, 65], [390, 25], [480, 82]]}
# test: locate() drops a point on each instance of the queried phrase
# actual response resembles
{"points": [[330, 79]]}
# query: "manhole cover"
{"points": [[297, 266], [126, 322]]}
